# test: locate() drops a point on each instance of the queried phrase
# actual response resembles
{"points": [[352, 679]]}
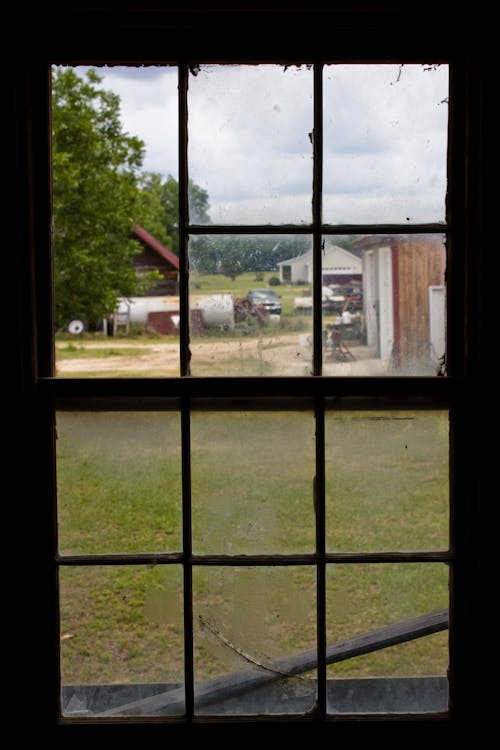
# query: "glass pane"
{"points": [[122, 651], [244, 316], [250, 143], [384, 305], [255, 640], [115, 206], [407, 677], [387, 485], [385, 138], [119, 482], [245, 498], [344, 350]]}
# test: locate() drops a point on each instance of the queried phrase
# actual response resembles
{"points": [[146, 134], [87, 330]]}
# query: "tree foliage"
{"points": [[96, 168], [99, 193], [160, 207], [232, 255]]}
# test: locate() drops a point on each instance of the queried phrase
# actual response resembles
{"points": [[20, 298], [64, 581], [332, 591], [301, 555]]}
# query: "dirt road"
{"points": [[283, 355]]}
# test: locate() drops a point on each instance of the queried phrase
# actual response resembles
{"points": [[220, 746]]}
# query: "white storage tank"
{"points": [[138, 308], [216, 309]]}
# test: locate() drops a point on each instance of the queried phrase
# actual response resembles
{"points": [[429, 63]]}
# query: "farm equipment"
{"points": [[244, 308]]}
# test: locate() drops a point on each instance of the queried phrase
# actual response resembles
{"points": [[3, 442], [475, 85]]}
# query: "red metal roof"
{"points": [[137, 232]]}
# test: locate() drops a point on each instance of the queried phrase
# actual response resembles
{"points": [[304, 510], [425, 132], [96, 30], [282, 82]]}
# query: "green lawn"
{"points": [[80, 351], [119, 483]]}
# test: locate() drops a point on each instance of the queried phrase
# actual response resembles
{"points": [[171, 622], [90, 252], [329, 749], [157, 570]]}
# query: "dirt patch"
{"points": [[279, 356]]}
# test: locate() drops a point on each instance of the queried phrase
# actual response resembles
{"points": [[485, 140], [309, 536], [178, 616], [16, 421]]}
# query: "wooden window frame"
{"points": [[93, 36]]}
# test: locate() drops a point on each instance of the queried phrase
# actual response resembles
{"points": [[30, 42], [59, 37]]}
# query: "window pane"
{"points": [[252, 482], [384, 305], [244, 316], [385, 136], [115, 212], [119, 482], [255, 640], [387, 484], [250, 142], [365, 598], [121, 640]]}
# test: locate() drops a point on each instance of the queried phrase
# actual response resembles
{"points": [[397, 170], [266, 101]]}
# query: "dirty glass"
{"points": [[249, 128], [122, 646], [245, 482], [369, 603], [250, 142], [252, 482], [342, 310], [387, 484], [119, 482], [385, 143], [243, 315], [255, 639]]}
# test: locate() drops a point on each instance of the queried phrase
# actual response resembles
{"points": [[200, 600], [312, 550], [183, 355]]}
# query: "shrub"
{"points": [[274, 281]]}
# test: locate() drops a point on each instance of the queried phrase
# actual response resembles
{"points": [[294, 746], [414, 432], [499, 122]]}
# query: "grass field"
{"points": [[119, 485]]}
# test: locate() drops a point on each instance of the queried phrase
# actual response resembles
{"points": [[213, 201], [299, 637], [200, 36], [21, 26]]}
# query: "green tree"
{"points": [[96, 197], [160, 207], [229, 263], [159, 219], [198, 204]]}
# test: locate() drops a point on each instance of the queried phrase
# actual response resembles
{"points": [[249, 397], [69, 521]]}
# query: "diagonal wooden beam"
{"points": [[237, 683]]}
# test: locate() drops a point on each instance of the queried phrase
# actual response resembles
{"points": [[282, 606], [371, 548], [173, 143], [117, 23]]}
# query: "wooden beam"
{"points": [[237, 683]]}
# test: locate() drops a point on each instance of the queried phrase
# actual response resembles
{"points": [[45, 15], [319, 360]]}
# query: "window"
{"points": [[253, 544]]}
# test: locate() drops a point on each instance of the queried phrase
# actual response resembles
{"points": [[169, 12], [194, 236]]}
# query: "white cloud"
{"points": [[385, 143], [148, 106], [249, 144]]}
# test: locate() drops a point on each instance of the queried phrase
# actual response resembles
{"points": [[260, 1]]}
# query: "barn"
{"points": [[156, 257], [159, 307], [404, 299]]}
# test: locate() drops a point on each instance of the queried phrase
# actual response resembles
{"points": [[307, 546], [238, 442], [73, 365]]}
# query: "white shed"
{"points": [[339, 266], [404, 299]]}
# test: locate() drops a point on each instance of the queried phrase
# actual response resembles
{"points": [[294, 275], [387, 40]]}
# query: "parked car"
{"points": [[267, 298]]}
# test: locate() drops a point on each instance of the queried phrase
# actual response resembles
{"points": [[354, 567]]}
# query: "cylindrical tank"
{"points": [[138, 308], [216, 309]]}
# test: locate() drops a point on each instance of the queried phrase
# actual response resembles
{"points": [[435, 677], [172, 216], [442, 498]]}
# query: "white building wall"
{"points": [[370, 300], [386, 312], [334, 260]]}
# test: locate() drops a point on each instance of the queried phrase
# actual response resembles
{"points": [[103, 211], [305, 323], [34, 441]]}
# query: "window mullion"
{"points": [[317, 217], [183, 223], [187, 554], [186, 401], [319, 506]]}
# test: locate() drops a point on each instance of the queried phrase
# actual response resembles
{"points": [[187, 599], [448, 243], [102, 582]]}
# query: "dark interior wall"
{"points": [[41, 33]]}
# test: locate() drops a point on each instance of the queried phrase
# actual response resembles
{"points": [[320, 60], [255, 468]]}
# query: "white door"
{"points": [[386, 309], [437, 321], [370, 300]]}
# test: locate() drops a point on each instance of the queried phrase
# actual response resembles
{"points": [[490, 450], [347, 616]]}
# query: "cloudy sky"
{"points": [[250, 139]]}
